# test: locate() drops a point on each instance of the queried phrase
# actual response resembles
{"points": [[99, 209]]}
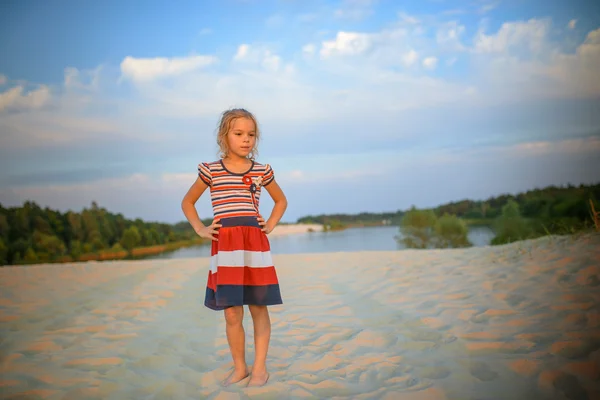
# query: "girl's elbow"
{"points": [[186, 203]]}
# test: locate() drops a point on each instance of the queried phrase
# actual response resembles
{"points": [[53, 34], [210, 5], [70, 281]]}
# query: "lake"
{"points": [[354, 239]]}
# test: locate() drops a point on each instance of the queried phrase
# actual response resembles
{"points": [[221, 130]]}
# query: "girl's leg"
{"points": [[236, 338], [262, 335]]}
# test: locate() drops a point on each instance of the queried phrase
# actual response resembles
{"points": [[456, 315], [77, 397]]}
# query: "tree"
{"points": [[510, 226], [30, 256], [131, 237], [451, 231], [417, 228]]}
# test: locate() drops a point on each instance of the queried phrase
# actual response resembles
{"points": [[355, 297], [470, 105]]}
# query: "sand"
{"points": [[293, 229], [520, 321]]}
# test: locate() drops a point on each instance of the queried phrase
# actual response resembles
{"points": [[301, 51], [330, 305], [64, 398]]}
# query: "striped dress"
{"points": [[241, 268]]}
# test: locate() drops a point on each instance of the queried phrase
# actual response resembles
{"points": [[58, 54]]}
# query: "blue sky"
{"points": [[364, 105]]}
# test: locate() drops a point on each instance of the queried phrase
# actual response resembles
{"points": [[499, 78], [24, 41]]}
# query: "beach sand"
{"points": [[293, 229], [520, 321]]}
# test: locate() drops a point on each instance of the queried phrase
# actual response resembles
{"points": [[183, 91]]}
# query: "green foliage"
{"points": [[417, 228], [451, 231], [131, 238], [361, 219], [422, 229], [333, 225], [117, 247], [30, 234], [510, 226]]}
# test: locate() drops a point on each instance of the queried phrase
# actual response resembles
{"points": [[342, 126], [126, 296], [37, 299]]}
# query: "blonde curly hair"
{"points": [[227, 118]]}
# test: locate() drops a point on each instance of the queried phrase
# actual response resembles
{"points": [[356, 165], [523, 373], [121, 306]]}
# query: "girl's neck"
{"points": [[235, 160]]}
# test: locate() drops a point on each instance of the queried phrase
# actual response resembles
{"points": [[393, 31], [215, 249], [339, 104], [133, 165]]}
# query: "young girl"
{"points": [[241, 269]]}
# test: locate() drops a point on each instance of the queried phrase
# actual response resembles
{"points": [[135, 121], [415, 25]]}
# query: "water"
{"points": [[354, 239]]}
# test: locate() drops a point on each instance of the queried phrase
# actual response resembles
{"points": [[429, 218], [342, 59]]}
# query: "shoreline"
{"points": [[293, 229]]}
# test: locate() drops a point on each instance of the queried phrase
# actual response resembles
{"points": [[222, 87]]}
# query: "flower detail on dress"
{"points": [[257, 181], [247, 179]]}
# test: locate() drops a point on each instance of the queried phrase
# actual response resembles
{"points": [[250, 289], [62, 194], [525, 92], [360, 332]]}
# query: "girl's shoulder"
{"points": [[261, 167]]}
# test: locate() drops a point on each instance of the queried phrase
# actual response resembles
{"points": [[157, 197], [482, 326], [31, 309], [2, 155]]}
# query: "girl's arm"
{"points": [[188, 205], [280, 205]]}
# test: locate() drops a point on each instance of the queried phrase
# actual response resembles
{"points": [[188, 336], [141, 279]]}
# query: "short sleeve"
{"points": [[204, 173], [269, 176]]}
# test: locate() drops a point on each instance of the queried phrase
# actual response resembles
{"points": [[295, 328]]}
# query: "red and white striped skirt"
{"points": [[241, 268]]}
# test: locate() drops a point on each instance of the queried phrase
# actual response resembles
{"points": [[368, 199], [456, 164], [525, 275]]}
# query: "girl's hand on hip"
{"points": [[207, 232], [265, 227]]}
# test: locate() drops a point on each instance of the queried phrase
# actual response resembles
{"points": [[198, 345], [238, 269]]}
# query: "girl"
{"points": [[241, 269]]}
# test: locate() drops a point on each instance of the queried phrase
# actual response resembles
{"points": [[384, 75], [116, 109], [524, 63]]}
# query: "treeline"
{"points": [[423, 229], [552, 209], [362, 219], [30, 234]]}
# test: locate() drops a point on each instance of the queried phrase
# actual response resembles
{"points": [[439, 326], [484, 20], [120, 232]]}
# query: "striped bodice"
{"points": [[231, 193]]}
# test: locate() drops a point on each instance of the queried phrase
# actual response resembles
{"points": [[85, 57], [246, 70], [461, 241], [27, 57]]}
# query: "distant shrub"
{"points": [[117, 247], [510, 226], [451, 231], [417, 228], [333, 225]]}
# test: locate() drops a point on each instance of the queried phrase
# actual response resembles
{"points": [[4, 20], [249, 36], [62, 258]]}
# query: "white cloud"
{"points": [[399, 44], [488, 6], [17, 99], [449, 36], [146, 69], [543, 72], [242, 52], [530, 35], [346, 44], [263, 56], [410, 58], [271, 62], [408, 19], [86, 80], [578, 73], [430, 63], [572, 23]]}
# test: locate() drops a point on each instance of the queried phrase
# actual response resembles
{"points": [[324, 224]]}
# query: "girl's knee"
{"points": [[258, 310], [234, 315]]}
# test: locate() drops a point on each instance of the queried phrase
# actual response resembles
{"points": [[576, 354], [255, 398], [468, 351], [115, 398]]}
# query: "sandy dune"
{"points": [[514, 322]]}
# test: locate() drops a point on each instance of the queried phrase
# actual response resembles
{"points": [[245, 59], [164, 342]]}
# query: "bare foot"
{"points": [[235, 376], [258, 379]]}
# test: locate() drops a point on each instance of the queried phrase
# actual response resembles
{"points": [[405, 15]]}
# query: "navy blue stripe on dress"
{"points": [[239, 221], [231, 295]]}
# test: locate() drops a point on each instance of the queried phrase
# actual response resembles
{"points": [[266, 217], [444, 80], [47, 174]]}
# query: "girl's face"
{"points": [[241, 138]]}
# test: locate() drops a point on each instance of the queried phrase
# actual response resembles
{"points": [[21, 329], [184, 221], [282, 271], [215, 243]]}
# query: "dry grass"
{"points": [[595, 216]]}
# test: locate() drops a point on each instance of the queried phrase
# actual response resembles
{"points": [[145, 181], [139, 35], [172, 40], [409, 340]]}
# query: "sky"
{"points": [[363, 105]]}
